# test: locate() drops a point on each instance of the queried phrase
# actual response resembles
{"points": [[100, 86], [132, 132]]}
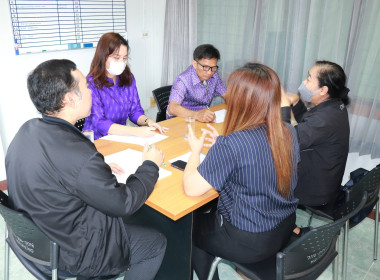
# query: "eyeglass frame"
{"points": [[208, 68]]}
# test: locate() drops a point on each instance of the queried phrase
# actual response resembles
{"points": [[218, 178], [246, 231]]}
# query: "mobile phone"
{"points": [[179, 164]]}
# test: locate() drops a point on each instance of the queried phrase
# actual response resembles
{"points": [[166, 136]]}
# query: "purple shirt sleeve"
{"points": [[97, 120], [178, 91], [112, 105], [220, 87], [135, 110]]}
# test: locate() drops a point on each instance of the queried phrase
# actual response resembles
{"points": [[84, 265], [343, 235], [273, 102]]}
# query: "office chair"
{"points": [[305, 257], [372, 187], [80, 124], [161, 96], [338, 208], [28, 243]]}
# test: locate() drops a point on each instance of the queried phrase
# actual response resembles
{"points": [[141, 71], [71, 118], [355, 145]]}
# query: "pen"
{"points": [[163, 163], [208, 108]]}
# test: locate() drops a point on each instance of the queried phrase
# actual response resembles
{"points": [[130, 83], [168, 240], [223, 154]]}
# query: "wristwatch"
{"points": [[146, 122]]}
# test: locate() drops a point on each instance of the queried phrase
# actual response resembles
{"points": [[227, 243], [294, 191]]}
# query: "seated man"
{"points": [[194, 89], [58, 178]]}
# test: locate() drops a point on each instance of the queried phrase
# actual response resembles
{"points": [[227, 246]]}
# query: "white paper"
{"points": [[220, 115], [135, 139], [186, 157], [129, 160]]}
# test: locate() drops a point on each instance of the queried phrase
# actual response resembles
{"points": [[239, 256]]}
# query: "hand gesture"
{"points": [[152, 153], [213, 134], [196, 145]]}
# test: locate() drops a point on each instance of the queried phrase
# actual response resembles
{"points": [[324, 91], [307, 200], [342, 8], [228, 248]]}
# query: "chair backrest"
{"points": [[80, 124], [161, 96], [314, 251], [28, 239], [371, 184]]}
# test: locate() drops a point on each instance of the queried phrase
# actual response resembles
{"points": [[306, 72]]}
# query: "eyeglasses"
{"points": [[208, 68]]}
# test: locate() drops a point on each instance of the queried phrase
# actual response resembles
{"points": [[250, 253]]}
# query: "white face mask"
{"points": [[116, 67]]}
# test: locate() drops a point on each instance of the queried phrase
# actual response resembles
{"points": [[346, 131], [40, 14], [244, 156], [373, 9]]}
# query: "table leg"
{"points": [[177, 261]]}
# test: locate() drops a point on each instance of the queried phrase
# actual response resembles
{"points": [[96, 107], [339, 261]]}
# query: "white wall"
{"points": [[355, 161], [143, 16]]}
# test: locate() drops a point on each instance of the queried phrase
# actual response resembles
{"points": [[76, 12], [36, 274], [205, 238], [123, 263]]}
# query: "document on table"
{"points": [[186, 157], [220, 115], [135, 139], [129, 160]]}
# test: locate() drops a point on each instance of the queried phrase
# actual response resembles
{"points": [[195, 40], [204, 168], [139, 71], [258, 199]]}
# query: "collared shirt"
{"points": [[111, 105], [241, 168], [191, 93]]}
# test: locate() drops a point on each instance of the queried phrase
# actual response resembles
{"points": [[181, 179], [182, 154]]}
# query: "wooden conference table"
{"points": [[173, 210]]}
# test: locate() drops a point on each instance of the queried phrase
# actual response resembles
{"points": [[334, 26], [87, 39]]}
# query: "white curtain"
{"points": [[363, 68], [180, 38], [290, 35], [2, 162]]}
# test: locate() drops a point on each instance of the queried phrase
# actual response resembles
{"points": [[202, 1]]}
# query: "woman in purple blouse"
{"points": [[114, 94]]}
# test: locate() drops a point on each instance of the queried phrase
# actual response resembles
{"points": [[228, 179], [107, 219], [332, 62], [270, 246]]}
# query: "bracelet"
{"points": [[146, 122]]}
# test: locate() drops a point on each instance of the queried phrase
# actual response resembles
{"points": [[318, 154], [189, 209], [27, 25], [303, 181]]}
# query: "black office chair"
{"points": [[80, 124], [305, 257], [338, 208], [28, 243], [161, 95], [371, 181]]}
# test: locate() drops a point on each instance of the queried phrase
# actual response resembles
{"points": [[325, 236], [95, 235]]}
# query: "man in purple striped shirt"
{"points": [[194, 89]]}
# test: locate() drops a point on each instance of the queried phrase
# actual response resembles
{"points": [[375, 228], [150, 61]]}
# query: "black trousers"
{"points": [[214, 236], [147, 249]]}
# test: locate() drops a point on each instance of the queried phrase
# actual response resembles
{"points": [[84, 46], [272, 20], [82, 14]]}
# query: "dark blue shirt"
{"points": [[240, 166]]}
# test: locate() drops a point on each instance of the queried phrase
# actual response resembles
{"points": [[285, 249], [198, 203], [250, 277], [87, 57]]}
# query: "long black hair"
{"points": [[332, 75]]}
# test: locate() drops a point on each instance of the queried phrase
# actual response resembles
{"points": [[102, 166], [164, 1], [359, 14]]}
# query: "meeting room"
{"points": [[190, 139]]}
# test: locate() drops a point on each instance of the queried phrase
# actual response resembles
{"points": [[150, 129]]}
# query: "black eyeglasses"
{"points": [[208, 68]]}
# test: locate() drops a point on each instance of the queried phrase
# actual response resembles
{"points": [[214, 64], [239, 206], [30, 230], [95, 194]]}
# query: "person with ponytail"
{"points": [[253, 166], [323, 132]]}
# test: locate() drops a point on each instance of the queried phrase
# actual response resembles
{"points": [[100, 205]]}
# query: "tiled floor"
{"points": [[360, 263]]}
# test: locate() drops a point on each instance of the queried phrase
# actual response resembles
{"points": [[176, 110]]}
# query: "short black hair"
{"points": [[206, 51], [332, 75], [49, 82]]}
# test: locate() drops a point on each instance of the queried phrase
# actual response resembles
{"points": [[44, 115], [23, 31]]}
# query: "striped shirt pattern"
{"points": [[112, 105], [191, 93], [240, 166]]}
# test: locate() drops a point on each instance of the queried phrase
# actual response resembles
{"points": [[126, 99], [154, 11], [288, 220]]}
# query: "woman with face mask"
{"points": [[323, 132], [114, 94]]}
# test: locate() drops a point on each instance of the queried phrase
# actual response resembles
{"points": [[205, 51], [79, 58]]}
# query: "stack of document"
{"points": [[220, 115], [135, 139], [129, 160]]}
